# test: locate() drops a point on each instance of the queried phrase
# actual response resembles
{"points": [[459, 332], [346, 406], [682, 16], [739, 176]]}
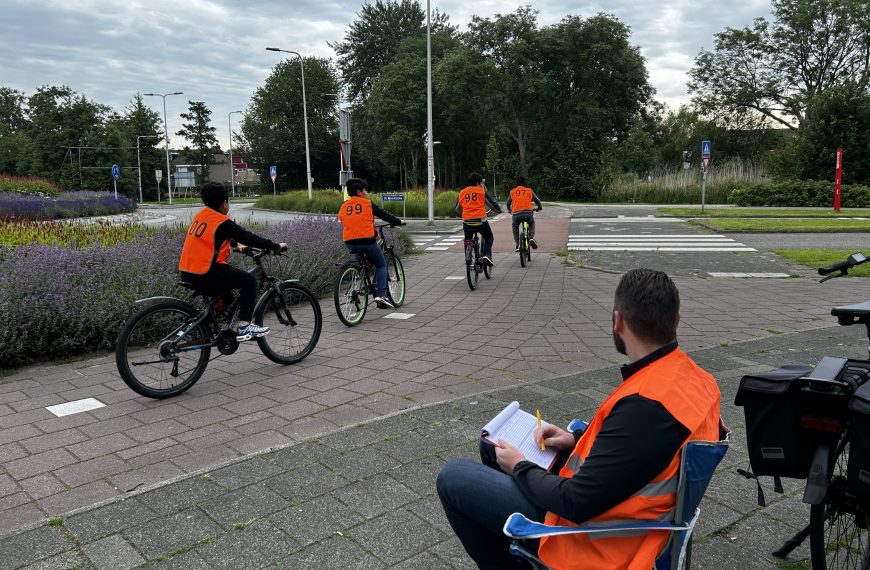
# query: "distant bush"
{"points": [[64, 301], [329, 202], [797, 193], [29, 185], [65, 205]]}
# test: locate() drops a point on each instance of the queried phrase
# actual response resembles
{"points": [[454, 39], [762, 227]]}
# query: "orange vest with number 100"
{"points": [[472, 199], [521, 199], [199, 251], [357, 219]]}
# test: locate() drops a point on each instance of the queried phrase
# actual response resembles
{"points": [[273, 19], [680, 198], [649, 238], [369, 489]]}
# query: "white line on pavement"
{"points": [[401, 316], [632, 248], [75, 407], [437, 248], [738, 274]]}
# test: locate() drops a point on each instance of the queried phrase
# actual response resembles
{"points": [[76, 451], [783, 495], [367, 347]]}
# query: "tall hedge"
{"points": [[799, 193]]}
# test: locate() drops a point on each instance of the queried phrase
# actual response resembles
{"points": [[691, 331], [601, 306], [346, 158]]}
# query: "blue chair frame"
{"points": [[698, 462]]}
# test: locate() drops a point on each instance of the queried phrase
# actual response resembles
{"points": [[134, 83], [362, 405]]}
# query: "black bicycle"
{"points": [[525, 250], [355, 282], [164, 348], [473, 265], [800, 423]]}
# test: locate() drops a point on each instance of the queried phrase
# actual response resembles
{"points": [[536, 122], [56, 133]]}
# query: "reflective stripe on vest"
{"points": [[521, 199], [357, 219], [472, 200], [691, 396], [200, 250]]}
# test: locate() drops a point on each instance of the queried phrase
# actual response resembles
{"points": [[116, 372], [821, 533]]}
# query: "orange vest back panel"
{"points": [[357, 219], [472, 200], [521, 199], [199, 251], [691, 395]]}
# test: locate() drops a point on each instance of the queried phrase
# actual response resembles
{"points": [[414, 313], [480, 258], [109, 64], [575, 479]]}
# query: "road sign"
{"points": [[705, 149], [158, 174], [838, 179], [273, 173], [705, 163], [393, 197], [116, 171]]}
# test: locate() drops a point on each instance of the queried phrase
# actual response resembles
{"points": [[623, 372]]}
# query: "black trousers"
{"points": [[222, 278]]}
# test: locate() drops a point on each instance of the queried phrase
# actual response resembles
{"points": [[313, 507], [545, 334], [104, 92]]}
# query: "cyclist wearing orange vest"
{"points": [[519, 203], [206, 249], [471, 203], [624, 466], [357, 216]]}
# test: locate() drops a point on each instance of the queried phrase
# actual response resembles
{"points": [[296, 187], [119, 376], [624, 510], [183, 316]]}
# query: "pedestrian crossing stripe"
{"points": [[660, 242]]}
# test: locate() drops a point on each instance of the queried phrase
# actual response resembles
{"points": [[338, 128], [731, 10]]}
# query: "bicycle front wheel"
{"points": [[351, 297], [487, 271], [395, 280], [293, 315], [160, 352], [838, 529], [523, 245], [471, 273]]}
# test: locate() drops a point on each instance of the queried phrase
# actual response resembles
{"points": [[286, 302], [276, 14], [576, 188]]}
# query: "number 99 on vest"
{"points": [[353, 209]]}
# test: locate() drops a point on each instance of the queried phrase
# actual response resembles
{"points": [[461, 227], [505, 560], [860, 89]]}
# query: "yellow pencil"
{"points": [[538, 412]]}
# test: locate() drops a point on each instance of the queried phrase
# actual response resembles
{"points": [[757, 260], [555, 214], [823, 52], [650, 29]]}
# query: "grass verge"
{"points": [[785, 225], [761, 213], [816, 258]]}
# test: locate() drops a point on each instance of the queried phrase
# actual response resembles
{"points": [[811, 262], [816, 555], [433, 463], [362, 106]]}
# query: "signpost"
{"points": [[705, 165], [839, 179], [344, 147], [158, 174], [273, 174], [395, 198], [116, 173]]}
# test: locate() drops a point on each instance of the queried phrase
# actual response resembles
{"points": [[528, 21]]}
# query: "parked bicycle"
{"points": [[164, 348], [473, 265], [525, 249], [355, 282], [804, 422]]}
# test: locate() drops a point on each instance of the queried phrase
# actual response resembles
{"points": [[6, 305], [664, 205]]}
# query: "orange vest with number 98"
{"points": [[199, 251], [472, 199]]}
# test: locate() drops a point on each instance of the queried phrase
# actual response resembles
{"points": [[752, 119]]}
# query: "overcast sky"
{"points": [[213, 50]]}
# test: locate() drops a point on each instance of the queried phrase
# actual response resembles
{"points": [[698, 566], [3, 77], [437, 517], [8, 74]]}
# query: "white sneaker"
{"points": [[486, 260], [384, 303], [250, 331]]}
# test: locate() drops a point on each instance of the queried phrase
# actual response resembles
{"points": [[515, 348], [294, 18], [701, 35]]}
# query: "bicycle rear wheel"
{"points": [[838, 526], [471, 272], [523, 246], [395, 280], [351, 297], [487, 271], [293, 315], [158, 353]]}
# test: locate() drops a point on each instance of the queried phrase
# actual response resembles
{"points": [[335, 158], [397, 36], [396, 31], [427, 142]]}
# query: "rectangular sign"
{"points": [[705, 149], [393, 197], [273, 172]]}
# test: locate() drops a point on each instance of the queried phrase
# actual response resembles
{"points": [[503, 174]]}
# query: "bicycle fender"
{"points": [[817, 480], [160, 298]]}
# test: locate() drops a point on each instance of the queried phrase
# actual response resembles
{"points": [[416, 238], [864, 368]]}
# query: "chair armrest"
{"points": [[577, 425], [518, 526]]}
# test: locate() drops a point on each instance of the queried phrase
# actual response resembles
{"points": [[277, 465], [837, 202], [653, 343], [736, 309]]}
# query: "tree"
{"points": [[140, 120], [199, 132], [272, 130], [776, 68], [374, 38], [13, 141]]}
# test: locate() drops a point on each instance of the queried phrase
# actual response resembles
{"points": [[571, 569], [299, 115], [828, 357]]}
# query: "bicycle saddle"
{"points": [[851, 314]]}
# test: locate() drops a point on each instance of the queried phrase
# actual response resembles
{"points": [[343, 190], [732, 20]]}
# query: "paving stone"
{"points": [[315, 520], [304, 484], [70, 560], [164, 535], [20, 549], [244, 505], [112, 553], [336, 553], [256, 546], [188, 560], [397, 536], [96, 523], [375, 496], [180, 495]]}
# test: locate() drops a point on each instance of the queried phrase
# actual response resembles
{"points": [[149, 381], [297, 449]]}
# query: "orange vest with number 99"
{"points": [[357, 219], [199, 251]]}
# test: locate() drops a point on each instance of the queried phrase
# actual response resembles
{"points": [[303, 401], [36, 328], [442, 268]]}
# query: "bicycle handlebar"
{"points": [[843, 266]]}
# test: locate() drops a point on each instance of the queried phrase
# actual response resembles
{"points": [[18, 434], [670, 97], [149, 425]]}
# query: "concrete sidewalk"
{"points": [[364, 496]]}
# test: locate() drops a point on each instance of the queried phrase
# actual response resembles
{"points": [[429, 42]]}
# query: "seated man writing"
{"points": [[623, 467]]}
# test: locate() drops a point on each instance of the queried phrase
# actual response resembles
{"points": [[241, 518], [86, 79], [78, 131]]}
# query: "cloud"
{"points": [[214, 50]]}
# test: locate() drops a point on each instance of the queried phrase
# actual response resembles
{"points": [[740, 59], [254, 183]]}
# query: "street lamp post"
{"points": [[139, 162], [304, 116], [166, 132], [430, 152], [232, 166]]}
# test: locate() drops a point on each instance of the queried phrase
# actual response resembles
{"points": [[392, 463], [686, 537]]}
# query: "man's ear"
{"points": [[677, 324], [618, 321]]}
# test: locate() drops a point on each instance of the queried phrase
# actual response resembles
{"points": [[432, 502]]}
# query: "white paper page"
{"points": [[496, 422], [517, 427]]}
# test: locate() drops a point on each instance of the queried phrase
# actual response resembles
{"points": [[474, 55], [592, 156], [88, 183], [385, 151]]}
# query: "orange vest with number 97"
{"points": [[472, 199], [357, 219], [521, 199], [200, 250]]}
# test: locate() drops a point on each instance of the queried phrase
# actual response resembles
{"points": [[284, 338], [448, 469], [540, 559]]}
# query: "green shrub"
{"points": [[329, 202], [29, 185], [799, 193]]}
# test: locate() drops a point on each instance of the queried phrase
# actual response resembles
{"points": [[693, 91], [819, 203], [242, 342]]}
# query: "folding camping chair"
{"points": [[698, 462]]}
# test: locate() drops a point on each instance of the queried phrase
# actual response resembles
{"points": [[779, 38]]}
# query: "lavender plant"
{"points": [[65, 205]]}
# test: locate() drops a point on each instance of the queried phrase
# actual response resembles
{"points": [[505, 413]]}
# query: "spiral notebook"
{"points": [[518, 427]]}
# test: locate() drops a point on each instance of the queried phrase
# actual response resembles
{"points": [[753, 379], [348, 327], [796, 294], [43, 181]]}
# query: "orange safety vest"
{"points": [[472, 200], [691, 395], [200, 250], [357, 219], [521, 199]]}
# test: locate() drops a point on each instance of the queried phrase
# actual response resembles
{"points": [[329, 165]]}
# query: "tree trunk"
{"points": [[521, 136]]}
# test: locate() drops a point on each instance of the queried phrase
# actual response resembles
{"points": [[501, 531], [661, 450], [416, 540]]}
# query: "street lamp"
{"points": [[166, 132], [430, 151], [232, 166], [139, 164], [304, 116]]}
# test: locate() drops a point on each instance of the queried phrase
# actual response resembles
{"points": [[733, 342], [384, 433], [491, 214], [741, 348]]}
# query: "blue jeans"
{"points": [[376, 256], [486, 236], [477, 499]]}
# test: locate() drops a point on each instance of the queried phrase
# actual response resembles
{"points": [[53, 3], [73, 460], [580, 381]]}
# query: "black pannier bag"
{"points": [[858, 478], [771, 406]]}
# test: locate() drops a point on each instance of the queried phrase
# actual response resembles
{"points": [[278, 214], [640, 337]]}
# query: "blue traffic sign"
{"points": [[273, 171], [116, 171], [705, 149], [393, 197]]}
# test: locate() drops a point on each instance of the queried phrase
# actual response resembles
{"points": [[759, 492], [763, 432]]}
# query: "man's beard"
{"points": [[618, 343]]}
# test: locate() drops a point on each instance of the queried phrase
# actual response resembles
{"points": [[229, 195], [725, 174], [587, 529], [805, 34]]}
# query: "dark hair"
{"points": [[650, 305], [521, 181], [354, 185], [474, 179], [213, 194]]}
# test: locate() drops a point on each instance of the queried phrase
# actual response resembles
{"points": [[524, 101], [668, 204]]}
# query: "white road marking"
{"points": [[738, 274], [437, 248], [454, 278], [401, 316], [75, 407]]}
